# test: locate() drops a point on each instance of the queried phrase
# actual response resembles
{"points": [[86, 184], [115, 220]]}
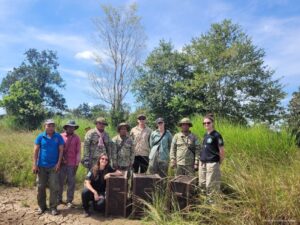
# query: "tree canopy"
{"points": [[39, 69], [221, 71]]}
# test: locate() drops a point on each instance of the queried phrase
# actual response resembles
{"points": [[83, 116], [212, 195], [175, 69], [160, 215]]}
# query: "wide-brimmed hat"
{"points": [[101, 120], [49, 121], [71, 123], [185, 121], [140, 116], [123, 125]]}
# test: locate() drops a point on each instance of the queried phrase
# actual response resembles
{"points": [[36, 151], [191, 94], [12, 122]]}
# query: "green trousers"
{"points": [[47, 177]]}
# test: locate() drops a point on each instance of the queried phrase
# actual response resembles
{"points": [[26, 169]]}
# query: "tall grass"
{"points": [[260, 175], [260, 180], [16, 150]]}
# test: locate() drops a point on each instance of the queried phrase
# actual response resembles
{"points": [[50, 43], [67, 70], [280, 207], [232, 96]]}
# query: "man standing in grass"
{"points": [[96, 142], [71, 159], [185, 150], [48, 153], [141, 135], [123, 154]]}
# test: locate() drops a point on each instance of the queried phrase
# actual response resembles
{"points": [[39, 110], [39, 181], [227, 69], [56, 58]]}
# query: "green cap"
{"points": [[101, 120], [185, 121]]}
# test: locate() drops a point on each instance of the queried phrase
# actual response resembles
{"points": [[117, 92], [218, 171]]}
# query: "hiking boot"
{"points": [[54, 212]]}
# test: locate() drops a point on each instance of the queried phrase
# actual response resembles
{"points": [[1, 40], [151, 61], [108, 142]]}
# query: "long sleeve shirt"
{"points": [[72, 149]]}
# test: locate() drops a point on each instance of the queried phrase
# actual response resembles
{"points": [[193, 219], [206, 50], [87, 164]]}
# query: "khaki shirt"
{"points": [[123, 153], [185, 149], [141, 140]]}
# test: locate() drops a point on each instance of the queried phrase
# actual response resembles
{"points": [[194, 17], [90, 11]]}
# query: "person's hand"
{"points": [[107, 176], [118, 172], [75, 168], [96, 196], [57, 167], [173, 163], [195, 166], [101, 196], [35, 169]]}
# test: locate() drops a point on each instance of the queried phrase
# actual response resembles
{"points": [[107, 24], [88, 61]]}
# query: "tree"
{"points": [[230, 76], [40, 70], [155, 86], [121, 39], [24, 103], [294, 116], [222, 72], [84, 110]]}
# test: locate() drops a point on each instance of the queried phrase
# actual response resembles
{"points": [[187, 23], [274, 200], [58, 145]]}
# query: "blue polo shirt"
{"points": [[49, 151]]}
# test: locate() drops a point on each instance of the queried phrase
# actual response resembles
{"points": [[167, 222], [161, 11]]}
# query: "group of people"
{"points": [[140, 150]]}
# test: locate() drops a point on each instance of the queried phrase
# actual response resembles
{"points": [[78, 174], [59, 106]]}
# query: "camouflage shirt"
{"points": [[91, 149], [123, 153], [185, 149]]}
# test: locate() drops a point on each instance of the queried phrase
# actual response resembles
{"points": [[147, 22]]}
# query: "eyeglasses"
{"points": [[206, 123], [106, 159]]}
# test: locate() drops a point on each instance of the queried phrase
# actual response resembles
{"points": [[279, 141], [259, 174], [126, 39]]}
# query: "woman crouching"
{"points": [[94, 184]]}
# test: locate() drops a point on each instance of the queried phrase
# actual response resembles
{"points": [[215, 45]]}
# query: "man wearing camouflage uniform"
{"points": [[96, 141], [185, 150], [123, 153]]}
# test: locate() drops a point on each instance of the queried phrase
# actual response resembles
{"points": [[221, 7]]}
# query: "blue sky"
{"points": [[66, 27]]}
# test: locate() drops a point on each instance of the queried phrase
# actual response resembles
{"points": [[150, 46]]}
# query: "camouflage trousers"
{"points": [[210, 177]]}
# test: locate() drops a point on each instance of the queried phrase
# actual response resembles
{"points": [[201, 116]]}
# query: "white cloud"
{"points": [[89, 55]]}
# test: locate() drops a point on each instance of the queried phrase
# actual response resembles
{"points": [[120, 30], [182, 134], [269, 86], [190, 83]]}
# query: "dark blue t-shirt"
{"points": [[210, 149], [98, 182], [49, 149]]}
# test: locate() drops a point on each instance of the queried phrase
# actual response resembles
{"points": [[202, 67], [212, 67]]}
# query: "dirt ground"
{"points": [[19, 205]]}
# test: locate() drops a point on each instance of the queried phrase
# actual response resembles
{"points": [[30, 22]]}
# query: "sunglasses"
{"points": [[100, 123], [106, 159], [160, 123], [206, 123]]}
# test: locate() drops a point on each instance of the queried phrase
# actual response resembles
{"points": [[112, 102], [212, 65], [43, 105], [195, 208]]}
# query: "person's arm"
{"points": [[116, 173], [61, 152], [115, 153], [173, 151], [222, 153], [78, 152], [131, 155], [88, 185], [86, 149], [151, 142], [197, 152], [36, 150]]}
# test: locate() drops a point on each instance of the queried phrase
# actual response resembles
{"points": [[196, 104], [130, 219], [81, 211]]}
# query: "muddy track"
{"points": [[18, 206]]}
